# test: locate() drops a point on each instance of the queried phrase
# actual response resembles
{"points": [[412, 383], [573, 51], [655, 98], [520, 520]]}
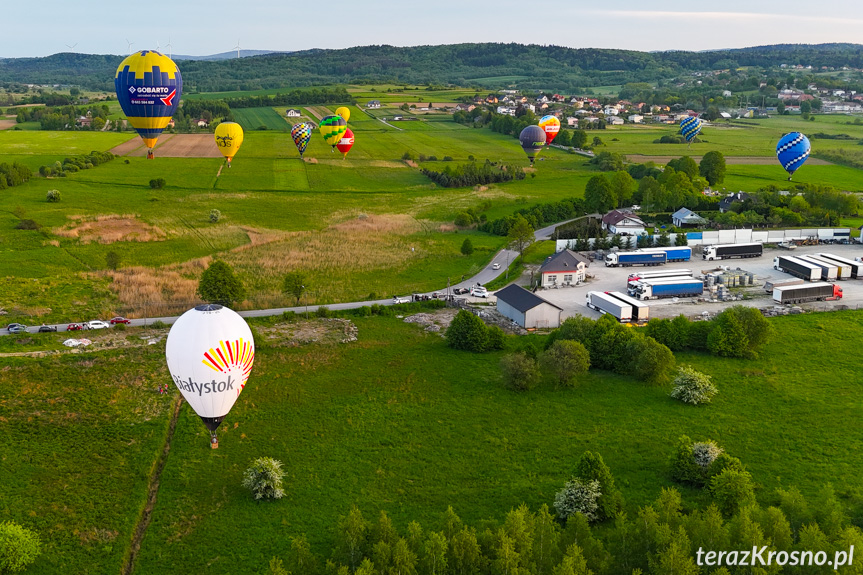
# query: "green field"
{"points": [[395, 435], [255, 118]]}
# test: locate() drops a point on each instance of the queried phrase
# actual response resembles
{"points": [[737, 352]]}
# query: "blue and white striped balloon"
{"points": [[690, 127], [792, 150]]}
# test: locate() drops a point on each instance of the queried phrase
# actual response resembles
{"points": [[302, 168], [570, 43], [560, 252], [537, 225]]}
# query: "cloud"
{"points": [[738, 17]]}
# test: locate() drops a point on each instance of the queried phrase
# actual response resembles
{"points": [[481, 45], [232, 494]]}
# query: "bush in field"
{"points": [[219, 285], [112, 260], [26, 224], [578, 496], [158, 183], [591, 467], [215, 216], [19, 547], [520, 372], [564, 361], [704, 453], [467, 247], [467, 332], [693, 387], [264, 478], [53, 196]]}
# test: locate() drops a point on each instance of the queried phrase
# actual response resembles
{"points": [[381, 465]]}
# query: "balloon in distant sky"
{"points": [[229, 137], [551, 126], [532, 140], [332, 129], [346, 143], [149, 86], [792, 150], [690, 127], [302, 133], [210, 352], [344, 112]]}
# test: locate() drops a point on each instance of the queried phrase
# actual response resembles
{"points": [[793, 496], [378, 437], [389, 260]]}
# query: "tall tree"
{"points": [[599, 195], [294, 285], [520, 234], [220, 285], [712, 167]]}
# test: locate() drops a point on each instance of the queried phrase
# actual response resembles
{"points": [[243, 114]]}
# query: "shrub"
{"points": [[112, 260], [704, 453], [649, 360], [158, 324], [215, 216], [732, 490], [683, 466], [467, 332], [578, 496], [591, 467], [447, 158], [27, 225], [53, 196], [693, 387], [467, 247], [323, 311], [158, 183], [19, 547], [520, 372], [496, 338], [463, 220], [264, 478], [564, 361]]}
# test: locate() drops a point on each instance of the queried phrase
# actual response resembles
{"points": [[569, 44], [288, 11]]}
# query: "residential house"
{"points": [[572, 122], [491, 99], [201, 123], [84, 121], [292, 113], [464, 107], [726, 93], [623, 223], [614, 121], [557, 98], [566, 267], [635, 118], [686, 217], [530, 107], [506, 110], [373, 104], [731, 199], [610, 111], [527, 309]]}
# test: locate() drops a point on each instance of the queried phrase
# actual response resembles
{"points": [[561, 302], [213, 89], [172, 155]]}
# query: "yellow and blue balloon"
{"points": [[690, 127], [149, 86]]}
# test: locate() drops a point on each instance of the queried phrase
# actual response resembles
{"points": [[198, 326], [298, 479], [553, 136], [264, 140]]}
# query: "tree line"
{"points": [[473, 174]]}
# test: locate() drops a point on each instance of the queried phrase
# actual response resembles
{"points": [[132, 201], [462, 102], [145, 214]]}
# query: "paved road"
{"points": [[487, 274]]}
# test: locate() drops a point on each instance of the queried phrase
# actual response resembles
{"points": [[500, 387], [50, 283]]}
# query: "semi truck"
{"points": [[769, 285], [605, 303], [855, 267], [820, 291], [797, 267], [830, 271], [654, 289], [640, 310], [672, 253], [665, 274], [635, 258], [727, 251]]}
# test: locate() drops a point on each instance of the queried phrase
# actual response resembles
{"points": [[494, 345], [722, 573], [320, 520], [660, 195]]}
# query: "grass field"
{"points": [[394, 435], [254, 118]]}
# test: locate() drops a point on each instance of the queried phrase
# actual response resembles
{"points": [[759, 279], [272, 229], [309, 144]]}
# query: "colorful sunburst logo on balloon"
{"points": [[229, 355]]}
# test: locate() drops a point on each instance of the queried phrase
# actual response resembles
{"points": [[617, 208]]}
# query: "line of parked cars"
{"points": [[92, 324]]}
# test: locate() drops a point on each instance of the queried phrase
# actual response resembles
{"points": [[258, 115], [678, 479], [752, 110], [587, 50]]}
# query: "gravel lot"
{"points": [[572, 300]]}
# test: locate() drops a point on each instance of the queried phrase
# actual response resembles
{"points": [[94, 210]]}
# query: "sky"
{"points": [[200, 28]]}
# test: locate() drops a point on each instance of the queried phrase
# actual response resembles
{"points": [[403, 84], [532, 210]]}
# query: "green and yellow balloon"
{"points": [[332, 129]]}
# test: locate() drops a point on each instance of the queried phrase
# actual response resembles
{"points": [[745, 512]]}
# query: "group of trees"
{"points": [[537, 216], [293, 98], [63, 117], [562, 363], [13, 174], [75, 163], [800, 204], [473, 174], [468, 332]]}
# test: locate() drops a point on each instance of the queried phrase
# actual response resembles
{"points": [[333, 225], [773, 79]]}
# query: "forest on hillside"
{"points": [[480, 65]]}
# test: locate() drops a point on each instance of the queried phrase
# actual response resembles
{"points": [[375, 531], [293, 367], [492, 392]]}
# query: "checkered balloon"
{"points": [[792, 150], [302, 133]]}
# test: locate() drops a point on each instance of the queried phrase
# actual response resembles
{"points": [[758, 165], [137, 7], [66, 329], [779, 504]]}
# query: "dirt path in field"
{"points": [[738, 160], [318, 112], [173, 146], [152, 492], [6, 124]]}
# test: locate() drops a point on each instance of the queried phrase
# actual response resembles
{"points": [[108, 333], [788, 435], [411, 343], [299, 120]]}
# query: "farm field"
{"points": [[405, 439], [254, 118]]}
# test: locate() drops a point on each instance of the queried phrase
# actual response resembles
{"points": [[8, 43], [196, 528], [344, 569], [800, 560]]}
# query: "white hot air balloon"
{"points": [[210, 352]]}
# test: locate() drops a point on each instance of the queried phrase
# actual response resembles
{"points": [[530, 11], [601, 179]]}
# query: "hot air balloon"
{"points": [[229, 137], [792, 150], [344, 112], [346, 143], [148, 87], [210, 352], [690, 127], [332, 129], [532, 139], [302, 133], [551, 126]]}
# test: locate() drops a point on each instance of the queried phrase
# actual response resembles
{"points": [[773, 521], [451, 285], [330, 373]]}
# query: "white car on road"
{"points": [[495, 266], [478, 291], [96, 324]]}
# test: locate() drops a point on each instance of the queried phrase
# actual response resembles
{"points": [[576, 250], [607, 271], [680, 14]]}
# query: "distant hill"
{"points": [[228, 55], [482, 65]]}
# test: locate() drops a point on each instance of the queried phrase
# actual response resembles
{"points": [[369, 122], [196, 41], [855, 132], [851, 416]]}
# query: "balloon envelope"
{"points": [[551, 126], [532, 140], [344, 112], [301, 133], [229, 137], [210, 352], [792, 150], [690, 127], [149, 86], [332, 129], [346, 143]]}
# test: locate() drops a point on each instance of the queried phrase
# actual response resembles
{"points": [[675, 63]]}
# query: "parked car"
{"points": [[17, 328], [96, 324], [74, 327], [460, 291], [47, 328], [118, 319], [405, 299], [478, 291], [495, 266]]}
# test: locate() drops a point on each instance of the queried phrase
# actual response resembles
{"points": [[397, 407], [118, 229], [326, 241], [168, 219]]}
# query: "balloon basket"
{"points": [[214, 442]]}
